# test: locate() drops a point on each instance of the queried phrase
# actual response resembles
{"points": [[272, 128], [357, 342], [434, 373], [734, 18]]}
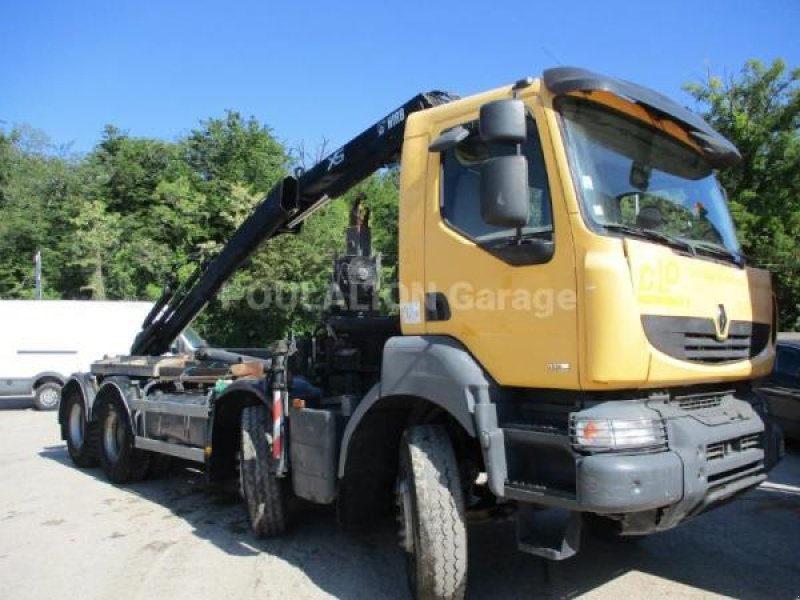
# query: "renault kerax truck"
{"points": [[574, 344]]}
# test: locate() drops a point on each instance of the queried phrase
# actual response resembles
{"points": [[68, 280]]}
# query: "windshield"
{"points": [[635, 179]]}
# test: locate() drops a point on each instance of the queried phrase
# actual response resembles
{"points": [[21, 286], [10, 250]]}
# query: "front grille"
{"points": [[707, 348], [694, 339], [719, 450]]}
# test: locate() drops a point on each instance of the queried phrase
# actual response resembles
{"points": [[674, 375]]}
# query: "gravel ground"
{"points": [[66, 533]]}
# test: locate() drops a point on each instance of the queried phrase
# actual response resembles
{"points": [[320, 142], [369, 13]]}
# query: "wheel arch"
{"points": [[424, 379], [82, 385], [424, 372], [369, 457], [115, 388], [403, 410]]}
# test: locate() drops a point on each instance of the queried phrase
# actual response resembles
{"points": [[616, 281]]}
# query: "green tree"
{"points": [[37, 184], [232, 149], [125, 181], [94, 238], [233, 163], [134, 213], [759, 110]]}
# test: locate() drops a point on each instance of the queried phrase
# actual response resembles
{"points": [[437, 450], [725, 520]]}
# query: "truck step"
{"points": [[554, 534]]}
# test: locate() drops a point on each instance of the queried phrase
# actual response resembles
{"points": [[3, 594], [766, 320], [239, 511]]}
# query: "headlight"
{"points": [[598, 434]]}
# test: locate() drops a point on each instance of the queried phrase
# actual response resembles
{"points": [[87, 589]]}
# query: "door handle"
{"points": [[437, 308]]}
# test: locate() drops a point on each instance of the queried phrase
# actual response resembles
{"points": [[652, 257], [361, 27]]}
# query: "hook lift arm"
{"points": [[286, 206]]}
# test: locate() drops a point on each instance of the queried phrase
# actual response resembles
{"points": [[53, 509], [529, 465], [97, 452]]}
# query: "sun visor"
{"points": [[718, 151]]}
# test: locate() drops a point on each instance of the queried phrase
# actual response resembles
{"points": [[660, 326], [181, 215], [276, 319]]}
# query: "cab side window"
{"points": [[461, 178]]}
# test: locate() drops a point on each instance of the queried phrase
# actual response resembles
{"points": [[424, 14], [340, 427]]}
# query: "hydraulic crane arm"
{"points": [[287, 205]]}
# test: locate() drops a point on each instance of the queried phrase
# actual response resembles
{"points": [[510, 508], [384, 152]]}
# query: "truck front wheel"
{"points": [[431, 514], [264, 492], [122, 462]]}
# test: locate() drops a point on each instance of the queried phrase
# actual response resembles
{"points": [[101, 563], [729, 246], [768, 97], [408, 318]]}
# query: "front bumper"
{"points": [[712, 456]]}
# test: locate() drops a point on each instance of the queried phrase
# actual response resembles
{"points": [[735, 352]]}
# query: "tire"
{"points": [[431, 514], [81, 436], [120, 460], [47, 396], [265, 494]]}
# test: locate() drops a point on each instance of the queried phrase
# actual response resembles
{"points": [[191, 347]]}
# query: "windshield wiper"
{"points": [[692, 247], [653, 235], [719, 251]]}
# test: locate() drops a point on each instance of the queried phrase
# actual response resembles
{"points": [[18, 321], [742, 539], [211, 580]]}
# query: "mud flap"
{"points": [[552, 533]]}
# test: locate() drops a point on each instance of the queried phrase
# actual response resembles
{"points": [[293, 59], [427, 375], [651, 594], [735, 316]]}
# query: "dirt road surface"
{"points": [[67, 533]]}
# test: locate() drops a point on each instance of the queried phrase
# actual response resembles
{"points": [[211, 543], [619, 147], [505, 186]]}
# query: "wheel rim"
{"points": [[113, 435], [76, 424], [48, 397]]}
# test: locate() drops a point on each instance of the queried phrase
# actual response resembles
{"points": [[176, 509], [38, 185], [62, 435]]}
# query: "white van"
{"points": [[42, 342]]}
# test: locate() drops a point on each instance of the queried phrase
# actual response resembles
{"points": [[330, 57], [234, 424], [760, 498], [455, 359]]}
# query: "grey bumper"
{"points": [[613, 484], [707, 463]]}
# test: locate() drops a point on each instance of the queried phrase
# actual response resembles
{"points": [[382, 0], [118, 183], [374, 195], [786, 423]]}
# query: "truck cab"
{"points": [[609, 308], [628, 264]]}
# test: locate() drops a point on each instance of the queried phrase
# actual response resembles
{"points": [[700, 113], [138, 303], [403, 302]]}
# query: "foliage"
{"points": [[135, 213], [759, 111]]}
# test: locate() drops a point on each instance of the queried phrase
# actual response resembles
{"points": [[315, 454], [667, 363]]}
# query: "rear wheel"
{"points": [[431, 514], [121, 461], [80, 435], [265, 494], [47, 396]]}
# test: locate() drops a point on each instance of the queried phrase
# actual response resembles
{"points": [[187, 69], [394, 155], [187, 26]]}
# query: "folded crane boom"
{"points": [[286, 206]]}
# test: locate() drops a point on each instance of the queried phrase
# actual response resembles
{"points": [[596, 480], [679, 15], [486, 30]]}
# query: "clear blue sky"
{"points": [[313, 70]]}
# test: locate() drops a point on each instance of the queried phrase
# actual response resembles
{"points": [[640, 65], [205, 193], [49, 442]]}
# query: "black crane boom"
{"points": [[285, 207]]}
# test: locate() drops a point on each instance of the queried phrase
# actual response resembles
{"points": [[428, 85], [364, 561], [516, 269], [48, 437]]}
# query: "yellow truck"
{"points": [[574, 343]]}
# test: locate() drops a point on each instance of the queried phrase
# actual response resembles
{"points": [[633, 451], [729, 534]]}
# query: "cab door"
{"points": [[492, 289]]}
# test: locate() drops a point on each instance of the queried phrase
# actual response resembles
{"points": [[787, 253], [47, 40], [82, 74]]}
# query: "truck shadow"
{"points": [[746, 549]]}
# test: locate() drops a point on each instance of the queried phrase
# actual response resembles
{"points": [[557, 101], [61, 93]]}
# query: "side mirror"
{"points": [[503, 121], [504, 191]]}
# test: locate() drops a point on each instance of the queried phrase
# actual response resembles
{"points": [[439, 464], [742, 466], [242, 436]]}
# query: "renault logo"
{"points": [[722, 323]]}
